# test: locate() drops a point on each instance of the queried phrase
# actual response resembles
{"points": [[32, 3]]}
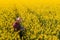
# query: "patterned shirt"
{"points": [[18, 26]]}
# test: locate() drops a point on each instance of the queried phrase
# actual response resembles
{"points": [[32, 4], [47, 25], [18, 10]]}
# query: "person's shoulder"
{"points": [[14, 23]]}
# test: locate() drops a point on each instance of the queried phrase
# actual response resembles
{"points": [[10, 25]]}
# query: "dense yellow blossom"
{"points": [[41, 22]]}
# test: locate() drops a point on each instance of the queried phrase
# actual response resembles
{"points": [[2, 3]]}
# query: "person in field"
{"points": [[17, 27]]}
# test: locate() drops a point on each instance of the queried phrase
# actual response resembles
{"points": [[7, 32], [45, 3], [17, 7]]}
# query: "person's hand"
{"points": [[15, 29]]}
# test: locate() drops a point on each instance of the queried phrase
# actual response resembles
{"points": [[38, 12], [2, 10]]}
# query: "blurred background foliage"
{"points": [[40, 24]]}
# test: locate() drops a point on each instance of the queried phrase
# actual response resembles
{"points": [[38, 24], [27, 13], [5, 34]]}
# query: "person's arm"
{"points": [[14, 26]]}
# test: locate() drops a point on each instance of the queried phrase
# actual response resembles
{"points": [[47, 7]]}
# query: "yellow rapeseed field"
{"points": [[41, 18]]}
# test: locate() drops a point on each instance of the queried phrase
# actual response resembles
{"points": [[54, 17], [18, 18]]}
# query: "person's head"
{"points": [[18, 19]]}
